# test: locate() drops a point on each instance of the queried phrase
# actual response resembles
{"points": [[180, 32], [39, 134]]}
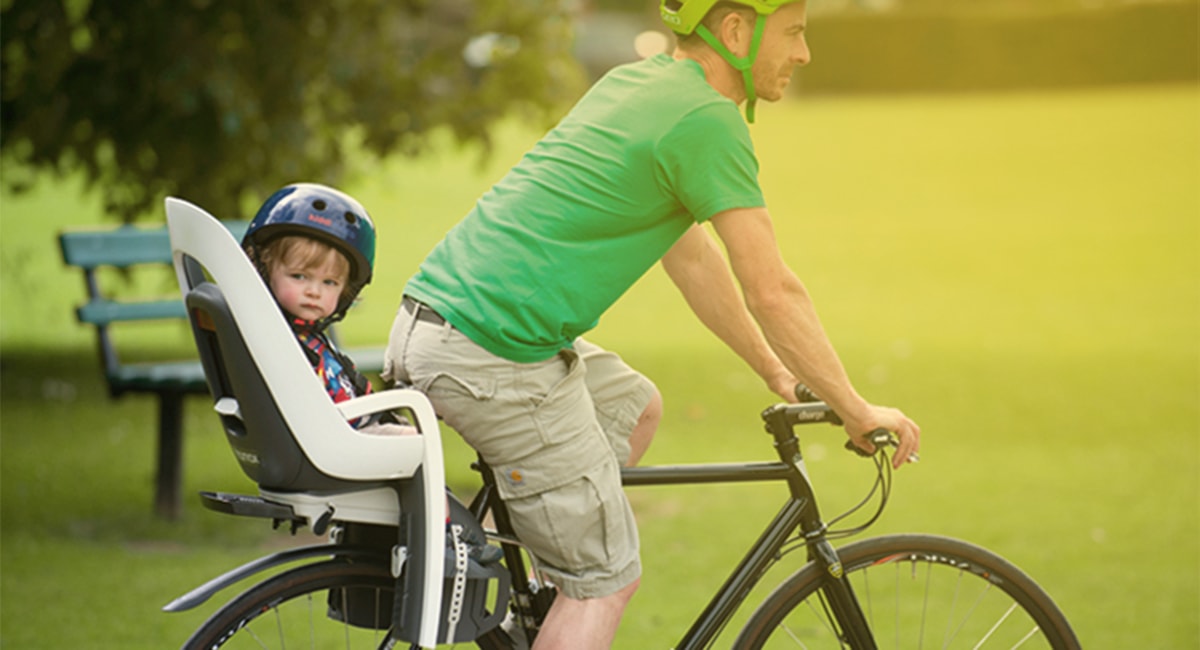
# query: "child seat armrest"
{"points": [[387, 400]]}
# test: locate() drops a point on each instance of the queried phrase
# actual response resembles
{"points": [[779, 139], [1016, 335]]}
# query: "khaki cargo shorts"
{"points": [[556, 434]]}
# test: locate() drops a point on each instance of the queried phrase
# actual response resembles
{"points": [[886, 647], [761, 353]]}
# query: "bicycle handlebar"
{"points": [[812, 409]]}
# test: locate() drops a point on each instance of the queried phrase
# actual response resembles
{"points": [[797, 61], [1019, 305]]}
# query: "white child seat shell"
{"points": [[320, 428]]}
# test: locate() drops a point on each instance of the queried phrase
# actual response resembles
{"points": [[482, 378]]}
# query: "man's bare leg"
{"points": [[589, 624]]}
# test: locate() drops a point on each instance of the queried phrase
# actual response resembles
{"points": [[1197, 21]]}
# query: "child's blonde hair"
{"points": [[303, 252]]}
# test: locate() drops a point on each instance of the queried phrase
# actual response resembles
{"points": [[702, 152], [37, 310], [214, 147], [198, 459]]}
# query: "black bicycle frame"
{"points": [[798, 512]]}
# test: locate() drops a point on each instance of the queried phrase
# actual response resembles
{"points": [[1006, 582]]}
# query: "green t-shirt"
{"points": [[651, 149]]}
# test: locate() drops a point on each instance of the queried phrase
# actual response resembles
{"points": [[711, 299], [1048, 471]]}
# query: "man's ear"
{"points": [[736, 33]]}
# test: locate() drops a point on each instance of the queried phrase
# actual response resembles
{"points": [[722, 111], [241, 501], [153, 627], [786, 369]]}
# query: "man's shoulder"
{"points": [[679, 81]]}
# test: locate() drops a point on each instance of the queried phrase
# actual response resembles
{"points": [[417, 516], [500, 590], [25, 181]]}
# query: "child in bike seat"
{"points": [[315, 248]]}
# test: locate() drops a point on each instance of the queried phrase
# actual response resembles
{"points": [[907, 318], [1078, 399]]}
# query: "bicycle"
{"points": [[391, 575], [936, 589]]}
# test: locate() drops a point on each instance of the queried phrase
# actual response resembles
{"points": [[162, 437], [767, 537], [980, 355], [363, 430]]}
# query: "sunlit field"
{"points": [[1018, 272]]}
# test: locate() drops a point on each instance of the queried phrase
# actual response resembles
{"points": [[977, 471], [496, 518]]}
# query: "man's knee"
{"points": [[628, 590], [652, 413], [643, 432]]}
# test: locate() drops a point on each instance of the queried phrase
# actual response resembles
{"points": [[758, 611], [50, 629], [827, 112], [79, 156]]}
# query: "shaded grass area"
{"points": [[1018, 272]]}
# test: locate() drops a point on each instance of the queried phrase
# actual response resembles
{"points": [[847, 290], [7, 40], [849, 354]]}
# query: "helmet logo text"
{"points": [[321, 220]]}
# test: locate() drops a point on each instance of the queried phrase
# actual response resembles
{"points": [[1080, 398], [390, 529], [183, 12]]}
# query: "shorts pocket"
{"points": [[575, 527], [562, 406]]}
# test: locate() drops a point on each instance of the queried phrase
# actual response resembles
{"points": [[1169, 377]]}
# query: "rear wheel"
{"points": [[915, 591], [307, 607]]}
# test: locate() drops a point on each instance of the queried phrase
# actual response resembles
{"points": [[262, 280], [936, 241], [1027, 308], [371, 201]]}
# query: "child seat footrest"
{"points": [[247, 506]]}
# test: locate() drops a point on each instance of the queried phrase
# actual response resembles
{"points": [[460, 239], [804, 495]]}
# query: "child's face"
{"points": [[309, 292]]}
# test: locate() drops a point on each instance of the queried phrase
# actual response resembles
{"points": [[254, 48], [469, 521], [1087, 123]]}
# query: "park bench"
{"points": [[121, 301]]}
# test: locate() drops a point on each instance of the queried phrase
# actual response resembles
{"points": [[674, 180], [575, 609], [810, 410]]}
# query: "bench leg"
{"points": [[167, 502]]}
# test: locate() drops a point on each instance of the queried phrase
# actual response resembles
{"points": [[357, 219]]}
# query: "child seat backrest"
{"points": [[285, 430]]}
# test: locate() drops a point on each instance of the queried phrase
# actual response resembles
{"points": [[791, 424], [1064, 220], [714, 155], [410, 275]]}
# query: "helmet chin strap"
{"points": [[742, 64]]}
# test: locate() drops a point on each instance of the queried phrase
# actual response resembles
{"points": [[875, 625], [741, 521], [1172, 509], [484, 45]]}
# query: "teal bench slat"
{"points": [[183, 376], [103, 312], [124, 246]]}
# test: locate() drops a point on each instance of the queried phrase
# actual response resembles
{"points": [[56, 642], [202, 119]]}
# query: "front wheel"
{"points": [[331, 604], [915, 591]]}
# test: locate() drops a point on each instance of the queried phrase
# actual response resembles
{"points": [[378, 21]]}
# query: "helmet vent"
{"points": [[318, 204], [350, 217]]}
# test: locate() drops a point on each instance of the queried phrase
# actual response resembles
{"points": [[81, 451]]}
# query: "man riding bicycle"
{"points": [[490, 326]]}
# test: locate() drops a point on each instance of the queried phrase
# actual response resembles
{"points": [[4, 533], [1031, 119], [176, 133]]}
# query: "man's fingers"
{"points": [[910, 443]]}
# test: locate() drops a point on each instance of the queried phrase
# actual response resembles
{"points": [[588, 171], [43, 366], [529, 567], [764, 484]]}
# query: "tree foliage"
{"points": [[223, 102]]}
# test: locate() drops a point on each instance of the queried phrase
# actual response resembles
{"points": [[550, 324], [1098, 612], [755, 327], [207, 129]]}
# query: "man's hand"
{"points": [[783, 384], [882, 417]]}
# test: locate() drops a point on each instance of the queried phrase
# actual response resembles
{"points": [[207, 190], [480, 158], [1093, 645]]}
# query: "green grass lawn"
{"points": [[1018, 272]]}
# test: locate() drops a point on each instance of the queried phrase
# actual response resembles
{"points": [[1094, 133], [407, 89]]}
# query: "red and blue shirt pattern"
{"points": [[328, 365]]}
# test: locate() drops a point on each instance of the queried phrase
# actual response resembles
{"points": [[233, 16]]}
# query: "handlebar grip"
{"points": [[880, 438]]}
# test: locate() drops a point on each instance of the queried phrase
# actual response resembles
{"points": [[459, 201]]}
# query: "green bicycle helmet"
{"points": [[685, 17]]}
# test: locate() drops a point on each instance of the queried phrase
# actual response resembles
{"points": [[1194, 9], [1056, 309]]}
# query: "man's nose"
{"points": [[802, 56]]}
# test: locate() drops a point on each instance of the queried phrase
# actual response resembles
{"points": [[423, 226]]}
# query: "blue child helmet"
{"points": [[323, 213]]}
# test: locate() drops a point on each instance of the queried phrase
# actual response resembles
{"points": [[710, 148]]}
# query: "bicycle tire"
{"points": [[915, 591], [291, 610]]}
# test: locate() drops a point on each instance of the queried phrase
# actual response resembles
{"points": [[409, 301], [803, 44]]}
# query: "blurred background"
{"points": [[865, 46], [996, 204]]}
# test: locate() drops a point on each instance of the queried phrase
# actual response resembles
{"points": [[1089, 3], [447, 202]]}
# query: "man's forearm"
{"points": [[698, 269], [792, 328]]}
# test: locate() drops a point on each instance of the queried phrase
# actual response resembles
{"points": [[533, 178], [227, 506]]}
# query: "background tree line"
{"points": [[223, 102]]}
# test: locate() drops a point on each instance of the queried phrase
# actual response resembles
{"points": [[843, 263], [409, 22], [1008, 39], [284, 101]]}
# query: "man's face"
{"points": [[782, 49]]}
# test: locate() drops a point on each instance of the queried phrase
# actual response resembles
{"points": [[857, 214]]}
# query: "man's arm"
{"points": [[697, 267], [781, 306]]}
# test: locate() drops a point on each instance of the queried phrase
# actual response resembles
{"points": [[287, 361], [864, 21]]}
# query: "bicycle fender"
{"points": [[205, 591]]}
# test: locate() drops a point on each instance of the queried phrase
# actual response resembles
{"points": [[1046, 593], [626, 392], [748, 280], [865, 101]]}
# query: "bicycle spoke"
{"points": [[345, 625], [925, 605], [312, 623], [971, 611], [870, 600], [1032, 633], [947, 637], [823, 617], [279, 627], [259, 640], [795, 639], [897, 604], [995, 627]]}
